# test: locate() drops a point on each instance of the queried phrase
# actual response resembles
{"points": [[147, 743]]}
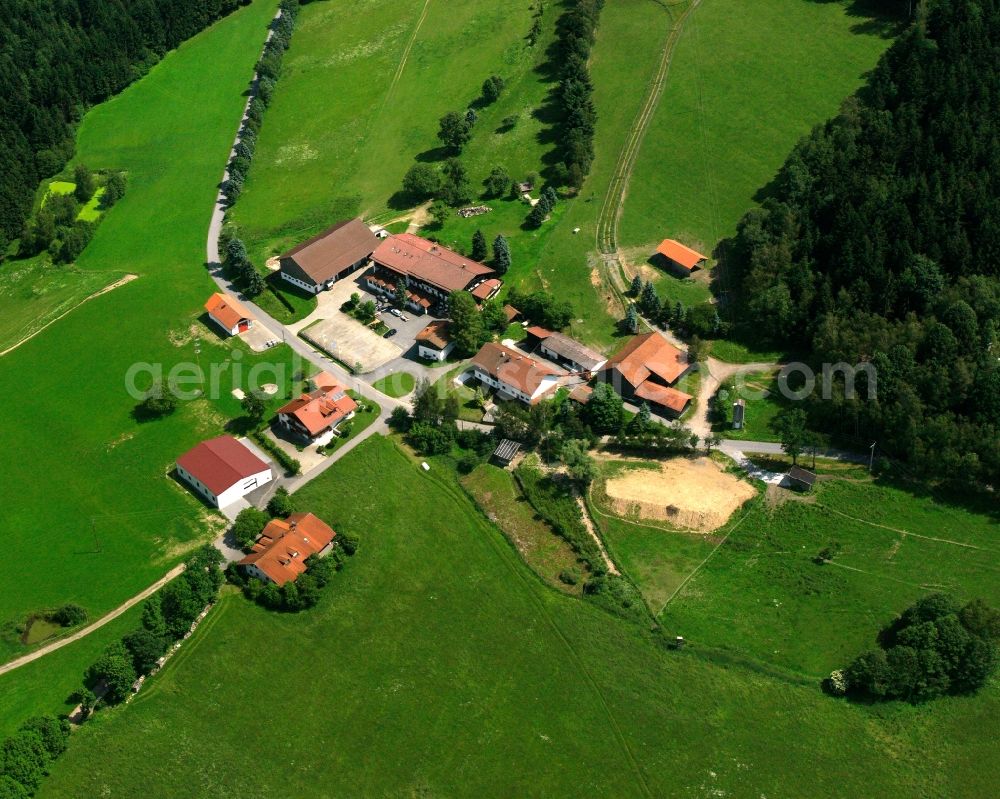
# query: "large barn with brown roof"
{"points": [[318, 263], [280, 554], [432, 271], [646, 369]]}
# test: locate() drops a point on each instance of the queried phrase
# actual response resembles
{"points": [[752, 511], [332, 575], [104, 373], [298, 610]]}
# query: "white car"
{"points": [[402, 317], [397, 312]]}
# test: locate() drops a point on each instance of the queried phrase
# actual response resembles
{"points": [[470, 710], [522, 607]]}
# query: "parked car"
{"points": [[396, 312], [402, 318], [389, 333]]}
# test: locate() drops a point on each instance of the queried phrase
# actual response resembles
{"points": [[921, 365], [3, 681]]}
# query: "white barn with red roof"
{"points": [[223, 470]]}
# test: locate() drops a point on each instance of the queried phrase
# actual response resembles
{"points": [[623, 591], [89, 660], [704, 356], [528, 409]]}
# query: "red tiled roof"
{"points": [[221, 463], [486, 289], [648, 354], [429, 262], [436, 334], [671, 398], [226, 310], [538, 332], [321, 409], [680, 254], [511, 313], [284, 545], [513, 368]]}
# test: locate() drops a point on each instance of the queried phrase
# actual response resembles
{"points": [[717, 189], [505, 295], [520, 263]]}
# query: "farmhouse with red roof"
{"points": [[316, 415], [223, 470], [646, 370], [280, 554], [432, 272], [515, 374]]}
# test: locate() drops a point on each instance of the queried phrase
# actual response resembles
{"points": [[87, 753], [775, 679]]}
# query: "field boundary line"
{"points": [[607, 222], [406, 53], [105, 619], [110, 287], [708, 557], [516, 567], [905, 532]]}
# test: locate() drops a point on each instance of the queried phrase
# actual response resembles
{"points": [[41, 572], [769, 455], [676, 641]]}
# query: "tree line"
{"points": [[575, 31], [57, 58], [880, 242]]}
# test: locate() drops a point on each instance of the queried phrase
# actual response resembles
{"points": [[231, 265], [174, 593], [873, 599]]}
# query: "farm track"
{"points": [[107, 617], [614, 200]]}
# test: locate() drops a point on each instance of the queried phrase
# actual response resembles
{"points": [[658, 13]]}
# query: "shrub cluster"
{"points": [[542, 308], [268, 71], [575, 30], [288, 463], [935, 647], [25, 757], [166, 617]]}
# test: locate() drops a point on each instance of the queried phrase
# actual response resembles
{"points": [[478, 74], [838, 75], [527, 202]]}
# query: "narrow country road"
{"points": [[85, 631]]}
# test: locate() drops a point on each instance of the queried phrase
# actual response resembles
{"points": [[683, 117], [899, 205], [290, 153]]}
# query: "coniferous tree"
{"points": [[501, 255]]}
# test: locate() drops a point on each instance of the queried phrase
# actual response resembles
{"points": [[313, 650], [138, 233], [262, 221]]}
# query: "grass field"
{"points": [[398, 384], [747, 80], [33, 292], [75, 462], [764, 403], [447, 669]]}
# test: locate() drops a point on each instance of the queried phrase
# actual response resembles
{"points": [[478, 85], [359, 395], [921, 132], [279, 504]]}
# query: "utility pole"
{"points": [[871, 457]]}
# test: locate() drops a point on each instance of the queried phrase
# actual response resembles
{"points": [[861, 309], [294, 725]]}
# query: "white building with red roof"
{"points": [[514, 374], [228, 314], [223, 470], [316, 415], [432, 271], [280, 554]]}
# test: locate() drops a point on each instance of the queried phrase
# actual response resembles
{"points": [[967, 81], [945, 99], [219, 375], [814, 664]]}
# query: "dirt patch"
{"points": [[690, 493], [270, 389]]}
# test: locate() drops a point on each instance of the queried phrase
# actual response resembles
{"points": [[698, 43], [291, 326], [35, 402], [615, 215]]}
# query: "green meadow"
{"points": [[33, 293], [437, 664], [747, 80], [76, 464]]}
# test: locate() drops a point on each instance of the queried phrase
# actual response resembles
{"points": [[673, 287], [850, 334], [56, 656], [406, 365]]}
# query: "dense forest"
{"points": [[880, 242], [57, 57]]}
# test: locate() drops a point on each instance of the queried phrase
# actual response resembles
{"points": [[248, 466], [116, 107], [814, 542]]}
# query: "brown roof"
{"points": [[328, 253], [435, 334], [538, 332], [513, 368], [581, 394], [221, 463], [321, 409], [671, 398], [648, 354], [572, 350], [511, 313], [284, 545], [680, 254], [431, 263], [227, 310]]}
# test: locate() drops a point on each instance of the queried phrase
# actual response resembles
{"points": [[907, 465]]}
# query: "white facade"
{"points": [[546, 385], [434, 354], [230, 495], [235, 331], [311, 288], [573, 365]]}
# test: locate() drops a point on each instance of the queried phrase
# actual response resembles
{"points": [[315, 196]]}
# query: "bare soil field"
{"points": [[690, 493]]}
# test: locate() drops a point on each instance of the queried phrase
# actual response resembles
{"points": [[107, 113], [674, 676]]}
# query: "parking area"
{"points": [[350, 342]]}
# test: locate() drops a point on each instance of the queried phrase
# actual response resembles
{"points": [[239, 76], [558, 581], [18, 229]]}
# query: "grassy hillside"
{"points": [[747, 80], [90, 515], [438, 665]]}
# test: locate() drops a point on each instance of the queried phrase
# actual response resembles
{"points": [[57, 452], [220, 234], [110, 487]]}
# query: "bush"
{"points": [[282, 503], [468, 462], [493, 87], [159, 402], [248, 526], [114, 190], [399, 419], [115, 671], [429, 439], [422, 181], [69, 615]]}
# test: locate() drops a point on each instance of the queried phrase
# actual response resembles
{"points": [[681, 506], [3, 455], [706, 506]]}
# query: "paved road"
{"points": [[85, 631]]}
